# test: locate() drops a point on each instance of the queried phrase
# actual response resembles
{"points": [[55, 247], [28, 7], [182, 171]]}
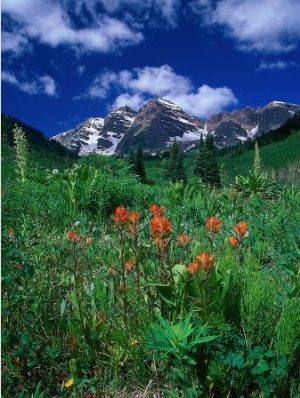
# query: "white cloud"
{"points": [[276, 65], [50, 23], [134, 88], [39, 85], [267, 26], [15, 43], [9, 77]]}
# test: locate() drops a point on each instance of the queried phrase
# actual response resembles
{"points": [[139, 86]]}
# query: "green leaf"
{"points": [[261, 367]]}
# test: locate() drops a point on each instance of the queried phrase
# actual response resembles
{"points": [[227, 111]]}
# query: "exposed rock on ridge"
{"points": [[159, 122]]}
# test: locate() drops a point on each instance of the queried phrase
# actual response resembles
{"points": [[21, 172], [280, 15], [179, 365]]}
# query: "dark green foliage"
{"points": [[179, 169], [43, 153], [173, 157], [140, 167], [206, 165]]}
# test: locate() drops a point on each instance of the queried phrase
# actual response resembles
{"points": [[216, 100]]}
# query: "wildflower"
{"points": [[157, 210], [241, 228], [162, 244], [205, 260], [129, 265], [160, 227], [88, 241], [11, 231], [69, 383], [193, 268], [233, 241], [183, 239], [54, 171], [133, 217], [76, 223], [120, 216], [73, 236], [213, 224], [134, 342], [111, 270]]}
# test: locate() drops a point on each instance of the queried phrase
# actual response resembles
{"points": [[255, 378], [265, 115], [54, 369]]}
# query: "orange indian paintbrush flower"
{"points": [[133, 217], [233, 241], [129, 265], [205, 260], [157, 210], [120, 216], [160, 227], [74, 237], [213, 224], [193, 268], [241, 228], [183, 239]]}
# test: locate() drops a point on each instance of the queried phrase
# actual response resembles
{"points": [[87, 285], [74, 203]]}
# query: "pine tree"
{"points": [[179, 170], [132, 161], [206, 166], [139, 164], [173, 157], [212, 169], [200, 165]]}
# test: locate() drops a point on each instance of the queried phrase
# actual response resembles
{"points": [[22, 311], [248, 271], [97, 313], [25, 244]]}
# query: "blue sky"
{"points": [[64, 61]]}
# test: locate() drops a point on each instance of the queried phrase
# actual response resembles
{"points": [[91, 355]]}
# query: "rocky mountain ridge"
{"points": [[160, 121]]}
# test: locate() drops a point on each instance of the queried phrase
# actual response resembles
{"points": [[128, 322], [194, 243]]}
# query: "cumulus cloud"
{"points": [[267, 26], [51, 24], [276, 65], [85, 25], [39, 85], [135, 88]]}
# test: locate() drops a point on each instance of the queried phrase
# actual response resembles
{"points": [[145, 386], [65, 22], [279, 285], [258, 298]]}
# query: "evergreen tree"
{"points": [[212, 169], [173, 157], [200, 165], [179, 170], [132, 161], [206, 166], [139, 164]]}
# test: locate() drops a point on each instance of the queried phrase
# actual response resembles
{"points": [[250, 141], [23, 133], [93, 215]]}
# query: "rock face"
{"points": [[98, 135], [159, 122], [156, 126]]}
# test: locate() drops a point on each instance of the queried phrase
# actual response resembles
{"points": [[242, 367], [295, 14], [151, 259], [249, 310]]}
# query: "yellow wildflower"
{"points": [[69, 383]]}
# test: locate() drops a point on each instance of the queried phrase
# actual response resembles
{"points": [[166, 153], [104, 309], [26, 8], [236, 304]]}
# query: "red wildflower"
{"points": [[241, 228], [11, 231], [129, 265], [120, 216], [193, 268], [112, 270], [160, 227], [162, 244], [133, 217], [183, 239], [74, 237], [205, 260], [157, 210], [213, 224], [233, 241]]}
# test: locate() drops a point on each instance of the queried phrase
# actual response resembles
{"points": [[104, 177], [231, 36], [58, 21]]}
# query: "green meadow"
{"points": [[114, 288]]}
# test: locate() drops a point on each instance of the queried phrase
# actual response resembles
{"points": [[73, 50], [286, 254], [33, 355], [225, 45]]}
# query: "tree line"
{"points": [[205, 166]]}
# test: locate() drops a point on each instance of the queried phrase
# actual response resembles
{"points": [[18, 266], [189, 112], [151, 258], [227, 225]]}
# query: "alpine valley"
{"points": [[159, 122]]}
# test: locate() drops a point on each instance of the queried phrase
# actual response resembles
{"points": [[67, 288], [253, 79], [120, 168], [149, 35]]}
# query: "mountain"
{"points": [[37, 141], [160, 121]]}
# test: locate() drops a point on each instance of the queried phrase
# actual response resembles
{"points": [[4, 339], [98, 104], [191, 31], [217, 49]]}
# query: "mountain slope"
{"points": [[159, 121]]}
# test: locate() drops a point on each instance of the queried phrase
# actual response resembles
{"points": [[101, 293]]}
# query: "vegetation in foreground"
{"points": [[113, 288]]}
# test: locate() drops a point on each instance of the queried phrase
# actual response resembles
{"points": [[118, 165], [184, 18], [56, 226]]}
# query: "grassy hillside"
{"points": [[44, 153], [113, 288]]}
